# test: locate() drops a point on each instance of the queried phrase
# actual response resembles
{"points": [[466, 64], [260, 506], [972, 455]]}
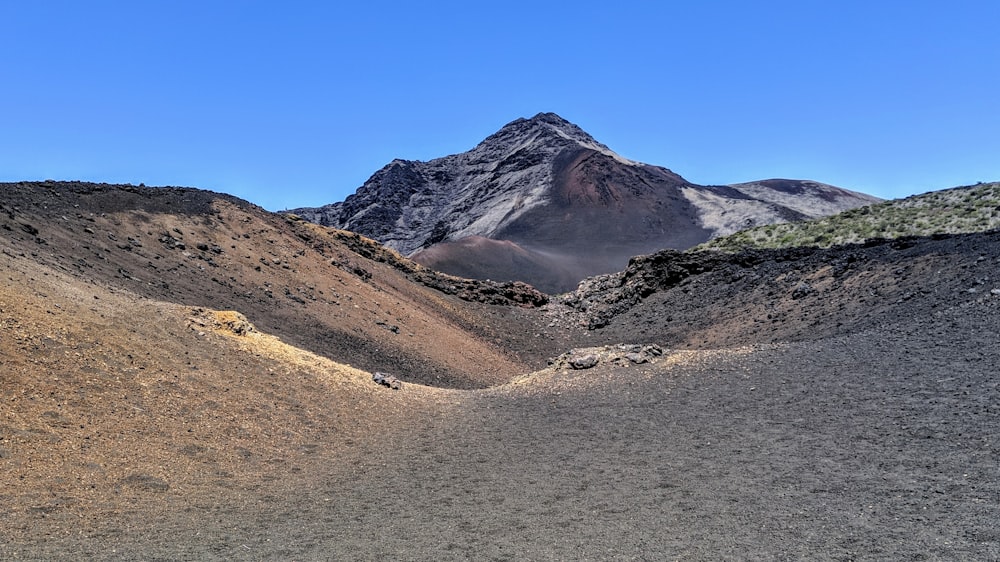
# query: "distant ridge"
{"points": [[564, 205], [967, 209]]}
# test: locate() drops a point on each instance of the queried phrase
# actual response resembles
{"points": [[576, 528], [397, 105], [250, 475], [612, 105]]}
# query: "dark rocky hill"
{"points": [[568, 206]]}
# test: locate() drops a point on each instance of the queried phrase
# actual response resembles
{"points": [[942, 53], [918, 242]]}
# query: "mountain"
{"points": [[543, 202]]}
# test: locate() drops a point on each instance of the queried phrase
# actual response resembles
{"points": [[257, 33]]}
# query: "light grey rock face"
{"points": [[411, 205], [771, 201], [570, 206]]}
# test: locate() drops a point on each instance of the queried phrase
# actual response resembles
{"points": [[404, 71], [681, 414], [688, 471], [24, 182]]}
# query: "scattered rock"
{"points": [[125, 274], [802, 290], [652, 350], [586, 358], [472, 290], [388, 381], [235, 322], [637, 358], [295, 297], [223, 320], [171, 243], [584, 361]]}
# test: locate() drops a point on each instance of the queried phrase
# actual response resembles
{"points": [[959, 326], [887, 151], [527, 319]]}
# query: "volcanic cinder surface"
{"points": [[184, 376]]}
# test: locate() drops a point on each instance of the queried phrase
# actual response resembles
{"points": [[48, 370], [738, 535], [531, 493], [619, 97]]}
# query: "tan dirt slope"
{"points": [[114, 405], [290, 278]]}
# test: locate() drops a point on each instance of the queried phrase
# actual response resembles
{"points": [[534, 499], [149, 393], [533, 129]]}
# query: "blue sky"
{"points": [[297, 103]]}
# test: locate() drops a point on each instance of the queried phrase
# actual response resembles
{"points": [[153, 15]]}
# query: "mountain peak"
{"points": [[548, 123], [541, 118], [545, 129], [551, 119]]}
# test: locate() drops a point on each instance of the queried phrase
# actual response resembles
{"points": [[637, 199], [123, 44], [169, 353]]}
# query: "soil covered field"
{"points": [[838, 404]]}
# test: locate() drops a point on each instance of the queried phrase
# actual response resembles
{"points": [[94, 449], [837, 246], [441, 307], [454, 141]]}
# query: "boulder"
{"points": [[387, 381], [584, 361]]}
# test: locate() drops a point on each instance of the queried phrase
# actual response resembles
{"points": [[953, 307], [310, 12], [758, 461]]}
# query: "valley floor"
{"points": [[878, 445]]}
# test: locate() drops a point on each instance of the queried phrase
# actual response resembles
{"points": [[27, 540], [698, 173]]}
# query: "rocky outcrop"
{"points": [[566, 206], [621, 354]]}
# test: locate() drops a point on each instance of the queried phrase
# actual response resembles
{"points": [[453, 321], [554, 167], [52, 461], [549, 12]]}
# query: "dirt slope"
{"points": [[117, 409], [292, 279]]}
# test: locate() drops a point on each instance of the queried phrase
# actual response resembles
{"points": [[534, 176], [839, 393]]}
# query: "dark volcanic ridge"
{"points": [[566, 205], [716, 299]]}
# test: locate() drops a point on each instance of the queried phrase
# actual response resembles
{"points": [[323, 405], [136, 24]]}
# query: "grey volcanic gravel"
{"points": [[878, 445]]}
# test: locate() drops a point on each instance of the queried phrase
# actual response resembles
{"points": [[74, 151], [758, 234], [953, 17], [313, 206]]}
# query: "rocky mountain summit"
{"points": [[542, 201]]}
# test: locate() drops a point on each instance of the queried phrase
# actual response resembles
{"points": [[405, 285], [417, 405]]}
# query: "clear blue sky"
{"points": [[297, 103]]}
